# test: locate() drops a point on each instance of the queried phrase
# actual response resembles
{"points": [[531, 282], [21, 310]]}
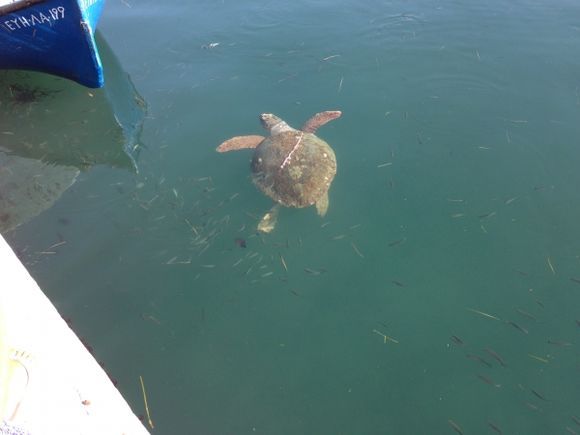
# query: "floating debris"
{"points": [[209, 47], [324, 59], [386, 337], [481, 313], [550, 265], [538, 358], [283, 262], [149, 420], [314, 271]]}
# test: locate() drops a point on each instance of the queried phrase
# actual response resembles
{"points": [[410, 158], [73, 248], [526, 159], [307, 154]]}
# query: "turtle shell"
{"points": [[300, 180]]}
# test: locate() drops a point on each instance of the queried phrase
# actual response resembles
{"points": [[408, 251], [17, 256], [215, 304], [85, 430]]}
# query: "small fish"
{"points": [[357, 250], [576, 280], [457, 215], [396, 242], [559, 343], [576, 420], [539, 396], [495, 427], [340, 84], [488, 381], [526, 314], [398, 283], [455, 427], [151, 318], [240, 242], [455, 200], [510, 200], [478, 359], [487, 215], [496, 356], [518, 327], [571, 431], [383, 165], [532, 406], [267, 274], [455, 339], [339, 237]]}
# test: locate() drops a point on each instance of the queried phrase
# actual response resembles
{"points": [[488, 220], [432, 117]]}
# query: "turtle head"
{"points": [[273, 124]]}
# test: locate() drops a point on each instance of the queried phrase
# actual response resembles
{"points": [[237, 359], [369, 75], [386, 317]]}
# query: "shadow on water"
{"points": [[53, 128]]}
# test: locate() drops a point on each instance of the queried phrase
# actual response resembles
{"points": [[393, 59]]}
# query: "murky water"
{"points": [[451, 242]]}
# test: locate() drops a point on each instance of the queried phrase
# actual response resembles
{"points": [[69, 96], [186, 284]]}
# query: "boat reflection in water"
{"points": [[52, 128]]}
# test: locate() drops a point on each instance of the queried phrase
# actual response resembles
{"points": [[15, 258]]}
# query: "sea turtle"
{"points": [[293, 167]]}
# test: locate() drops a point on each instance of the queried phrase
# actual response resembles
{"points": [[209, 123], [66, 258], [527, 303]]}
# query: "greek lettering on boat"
{"points": [[35, 19]]}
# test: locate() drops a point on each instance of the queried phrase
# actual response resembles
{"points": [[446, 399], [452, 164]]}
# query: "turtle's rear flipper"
{"points": [[268, 221], [319, 120], [239, 143], [322, 204]]}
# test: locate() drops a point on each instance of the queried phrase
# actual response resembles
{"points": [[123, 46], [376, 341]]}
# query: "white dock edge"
{"points": [[67, 392]]}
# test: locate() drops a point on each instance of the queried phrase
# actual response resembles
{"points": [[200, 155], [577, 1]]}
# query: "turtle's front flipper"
{"points": [[268, 221], [322, 205], [319, 120], [239, 143]]}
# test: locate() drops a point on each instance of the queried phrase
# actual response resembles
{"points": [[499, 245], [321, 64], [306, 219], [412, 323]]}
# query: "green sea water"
{"points": [[451, 241]]}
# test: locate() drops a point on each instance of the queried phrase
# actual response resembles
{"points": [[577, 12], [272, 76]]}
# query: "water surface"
{"points": [[456, 193]]}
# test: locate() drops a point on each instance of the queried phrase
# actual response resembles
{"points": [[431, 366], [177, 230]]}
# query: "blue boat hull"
{"points": [[55, 37]]}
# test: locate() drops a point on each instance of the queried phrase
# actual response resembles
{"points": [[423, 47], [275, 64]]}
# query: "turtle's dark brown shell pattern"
{"points": [[298, 181]]}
